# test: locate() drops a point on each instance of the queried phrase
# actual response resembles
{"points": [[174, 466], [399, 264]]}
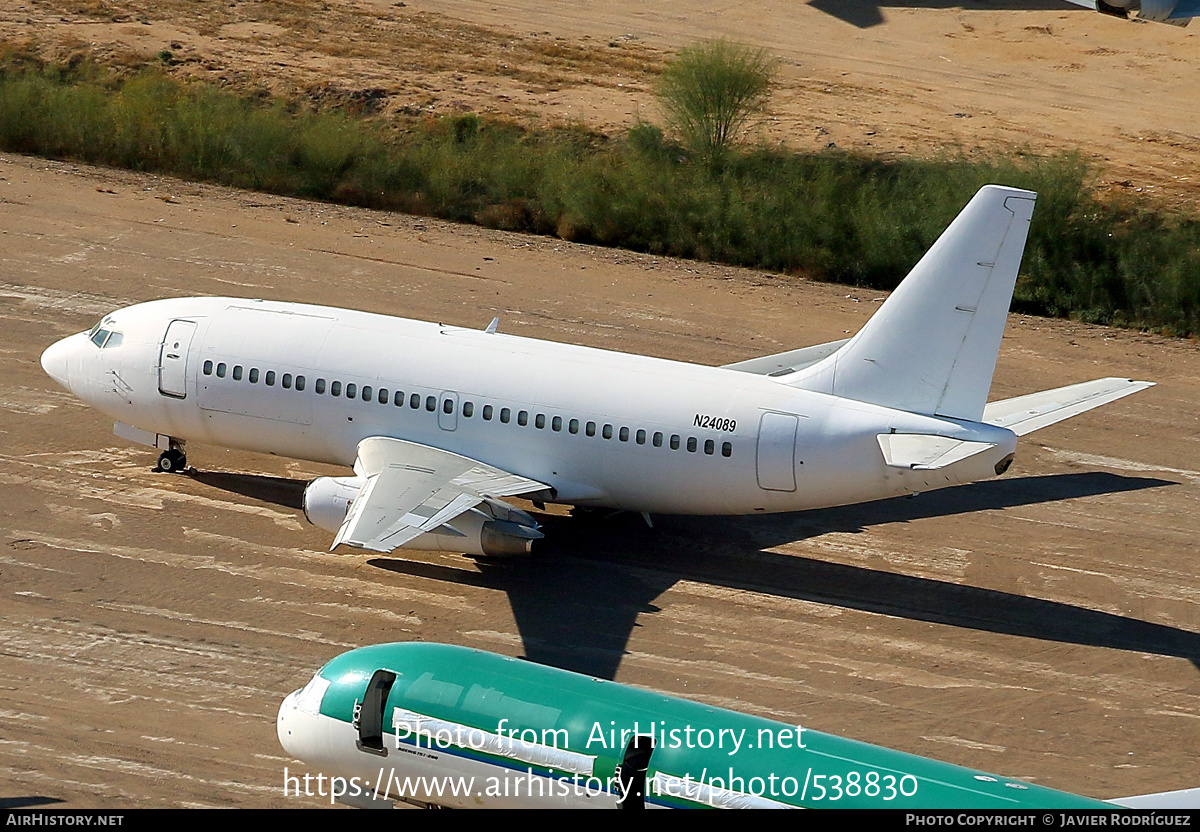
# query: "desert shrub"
{"points": [[833, 216]]}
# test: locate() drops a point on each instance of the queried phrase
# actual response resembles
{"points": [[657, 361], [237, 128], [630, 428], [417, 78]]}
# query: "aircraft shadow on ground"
{"points": [[281, 491], [867, 13], [578, 601]]}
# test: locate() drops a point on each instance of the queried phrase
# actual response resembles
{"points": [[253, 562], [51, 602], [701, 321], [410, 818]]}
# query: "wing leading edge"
{"points": [[410, 489]]}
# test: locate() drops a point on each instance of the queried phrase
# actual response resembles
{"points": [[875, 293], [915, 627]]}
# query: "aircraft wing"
{"points": [[1026, 414], [411, 489], [783, 363], [1185, 10], [1182, 799]]}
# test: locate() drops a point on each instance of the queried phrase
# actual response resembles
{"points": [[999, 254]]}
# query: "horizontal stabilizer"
{"points": [[783, 363], [922, 452], [1026, 414], [1182, 799]]}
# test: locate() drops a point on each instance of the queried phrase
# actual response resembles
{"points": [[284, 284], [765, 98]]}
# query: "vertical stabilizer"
{"points": [[931, 348]]}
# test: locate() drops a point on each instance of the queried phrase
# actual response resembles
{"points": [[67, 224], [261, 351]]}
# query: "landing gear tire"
{"points": [[171, 461]]}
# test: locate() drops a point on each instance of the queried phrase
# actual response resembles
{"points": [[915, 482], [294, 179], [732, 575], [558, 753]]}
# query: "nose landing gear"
{"points": [[171, 461]]}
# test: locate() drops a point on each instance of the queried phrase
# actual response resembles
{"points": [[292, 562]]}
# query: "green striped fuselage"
{"points": [[518, 734]]}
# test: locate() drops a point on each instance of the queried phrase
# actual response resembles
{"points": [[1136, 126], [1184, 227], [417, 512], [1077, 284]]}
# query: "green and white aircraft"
{"points": [[439, 725]]}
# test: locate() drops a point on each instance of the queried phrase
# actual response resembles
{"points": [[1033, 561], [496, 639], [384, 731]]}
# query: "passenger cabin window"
{"points": [[709, 446], [573, 426], [539, 421], [367, 392], [383, 396], [254, 375], [221, 370], [335, 389], [414, 401], [623, 435], [300, 382], [590, 429], [658, 438], [448, 405], [351, 390], [523, 418], [556, 423], [674, 441], [607, 433], [287, 381], [691, 446], [640, 437], [487, 413], [726, 449], [270, 378], [431, 403], [468, 409], [320, 387], [398, 400], [208, 368], [237, 372], [505, 415]]}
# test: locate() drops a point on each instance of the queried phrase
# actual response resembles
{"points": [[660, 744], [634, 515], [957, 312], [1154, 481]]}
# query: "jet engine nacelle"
{"points": [[493, 529], [327, 499]]}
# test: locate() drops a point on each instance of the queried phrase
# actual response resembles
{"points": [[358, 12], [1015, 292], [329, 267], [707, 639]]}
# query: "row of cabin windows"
{"points": [[415, 402], [286, 381]]}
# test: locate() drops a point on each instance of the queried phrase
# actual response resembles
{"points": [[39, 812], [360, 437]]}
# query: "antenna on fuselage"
{"points": [[491, 328]]}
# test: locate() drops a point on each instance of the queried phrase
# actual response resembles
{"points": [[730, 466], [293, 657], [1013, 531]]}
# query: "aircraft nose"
{"points": [[290, 729], [56, 361]]}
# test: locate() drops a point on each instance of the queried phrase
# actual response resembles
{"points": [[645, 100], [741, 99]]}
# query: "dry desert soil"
{"points": [[1045, 625]]}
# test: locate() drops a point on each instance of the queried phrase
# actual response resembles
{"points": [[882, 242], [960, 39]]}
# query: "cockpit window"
{"points": [[102, 337]]}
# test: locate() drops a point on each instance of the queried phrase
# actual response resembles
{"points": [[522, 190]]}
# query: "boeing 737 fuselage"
{"points": [[441, 423], [439, 725]]}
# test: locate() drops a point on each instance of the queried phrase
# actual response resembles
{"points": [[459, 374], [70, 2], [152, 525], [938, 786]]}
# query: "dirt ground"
{"points": [[903, 77], [1045, 625]]}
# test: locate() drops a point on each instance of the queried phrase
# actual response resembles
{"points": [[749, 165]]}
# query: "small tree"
{"points": [[710, 90]]}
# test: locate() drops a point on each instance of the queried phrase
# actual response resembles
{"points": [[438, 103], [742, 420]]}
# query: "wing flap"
{"points": [[411, 489], [1025, 414]]}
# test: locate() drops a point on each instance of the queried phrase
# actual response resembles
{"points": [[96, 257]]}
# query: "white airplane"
{"points": [[441, 423]]}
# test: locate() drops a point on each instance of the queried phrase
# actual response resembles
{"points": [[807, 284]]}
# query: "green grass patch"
{"points": [[833, 216]]}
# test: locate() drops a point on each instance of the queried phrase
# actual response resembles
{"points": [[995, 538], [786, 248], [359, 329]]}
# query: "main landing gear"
{"points": [[171, 461]]}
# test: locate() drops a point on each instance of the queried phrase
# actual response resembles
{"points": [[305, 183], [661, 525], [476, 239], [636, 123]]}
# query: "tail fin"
{"points": [[931, 348]]}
